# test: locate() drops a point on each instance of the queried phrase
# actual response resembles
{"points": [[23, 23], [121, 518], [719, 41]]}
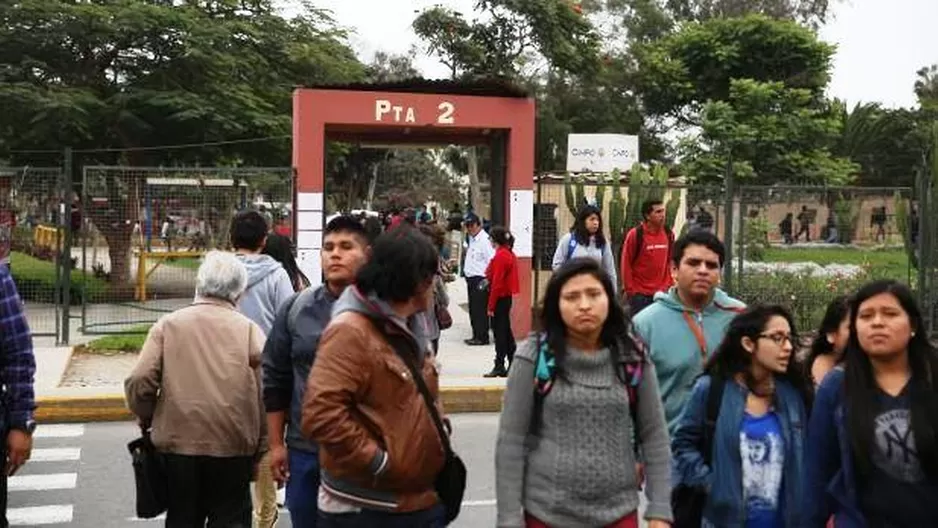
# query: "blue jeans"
{"points": [[431, 518], [303, 488]]}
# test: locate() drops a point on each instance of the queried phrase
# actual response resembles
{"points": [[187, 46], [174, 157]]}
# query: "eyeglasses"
{"points": [[778, 339]]}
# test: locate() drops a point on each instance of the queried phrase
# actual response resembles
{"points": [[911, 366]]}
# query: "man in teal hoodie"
{"points": [[684, 325]]}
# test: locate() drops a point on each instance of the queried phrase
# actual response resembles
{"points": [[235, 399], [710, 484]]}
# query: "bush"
{"points": [[807, 296], [35, 280]]}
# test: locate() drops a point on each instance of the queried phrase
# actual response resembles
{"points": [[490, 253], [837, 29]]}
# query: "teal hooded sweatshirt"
{"points": [[674, 347]]}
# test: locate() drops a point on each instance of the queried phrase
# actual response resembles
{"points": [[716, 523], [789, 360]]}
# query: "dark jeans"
{"points": [[209, 488], [478, 306], [504, 340], [638, 302], [432, 518], [303, 488]]}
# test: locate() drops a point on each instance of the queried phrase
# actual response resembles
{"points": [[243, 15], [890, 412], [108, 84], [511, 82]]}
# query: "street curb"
{"points": [[112, 408]]}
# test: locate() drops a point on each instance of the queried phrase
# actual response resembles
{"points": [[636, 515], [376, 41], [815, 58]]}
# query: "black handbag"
{"points": [[687, 502], [149, 476], [450, 483]]}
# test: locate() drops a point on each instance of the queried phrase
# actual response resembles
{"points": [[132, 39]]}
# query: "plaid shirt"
{"points": [[17, 361]]}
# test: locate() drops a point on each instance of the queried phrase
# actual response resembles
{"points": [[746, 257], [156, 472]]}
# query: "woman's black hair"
{"points": [[616, 331], [402, 260], [731, 358], [837, 311], [581, 234], [861, 389], [280, 248], [502, 237]]}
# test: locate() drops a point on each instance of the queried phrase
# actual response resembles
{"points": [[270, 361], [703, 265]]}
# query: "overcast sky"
{"points": [[881, 43]]}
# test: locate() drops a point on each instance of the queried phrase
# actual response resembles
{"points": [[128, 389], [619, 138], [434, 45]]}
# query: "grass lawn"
{"points": [[890, 262], [35, 280], [129, 342]]}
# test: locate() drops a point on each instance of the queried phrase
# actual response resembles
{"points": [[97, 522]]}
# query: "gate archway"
{"points": [[435, 113]]}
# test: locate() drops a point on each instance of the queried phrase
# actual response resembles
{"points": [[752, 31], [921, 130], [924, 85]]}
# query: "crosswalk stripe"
{"points": [[59, 431], [60, 454], [51, 481], [31, 516]]}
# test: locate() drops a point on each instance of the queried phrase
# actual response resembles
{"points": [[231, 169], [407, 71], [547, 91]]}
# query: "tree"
{"points": [[124, 75], [648, 20], [752, 88], [770, 134], [886, 144], [385, 68], [510, 36]]}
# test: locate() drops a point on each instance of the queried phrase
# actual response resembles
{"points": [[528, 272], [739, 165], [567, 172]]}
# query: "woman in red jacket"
{"points": [[502, 274]]}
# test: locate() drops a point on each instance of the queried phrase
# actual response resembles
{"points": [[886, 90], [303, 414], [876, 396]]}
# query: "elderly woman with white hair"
{"points": [[197, 386]]}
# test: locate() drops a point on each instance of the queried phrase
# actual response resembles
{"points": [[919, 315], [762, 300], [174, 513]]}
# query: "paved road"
{"points": [[80, 476]]}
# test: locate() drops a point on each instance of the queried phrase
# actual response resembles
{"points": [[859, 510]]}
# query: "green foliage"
{"points": [[903, 224], [645, 184], [757, 238], [699, 63], [615, 217], [848, 217], [886, 144], [36, 281], [508, 35], [775, 134], [574, 192]]}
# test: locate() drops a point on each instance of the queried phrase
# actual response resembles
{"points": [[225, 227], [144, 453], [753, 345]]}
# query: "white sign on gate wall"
{"points": [[601, 152]]}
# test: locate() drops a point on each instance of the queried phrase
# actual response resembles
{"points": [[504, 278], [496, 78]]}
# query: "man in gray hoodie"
{"points": [[269, 284], [268, 287]]}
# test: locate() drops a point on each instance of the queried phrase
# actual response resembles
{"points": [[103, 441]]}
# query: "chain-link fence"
{"points": [[145, 229], [34, 221], [795, 246]]}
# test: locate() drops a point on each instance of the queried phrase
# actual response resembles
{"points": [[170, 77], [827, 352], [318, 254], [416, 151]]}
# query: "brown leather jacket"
{"points": [[378, 445]]}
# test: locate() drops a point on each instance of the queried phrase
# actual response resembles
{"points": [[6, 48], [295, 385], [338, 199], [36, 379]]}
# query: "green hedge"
{"points": [[35, 280]]}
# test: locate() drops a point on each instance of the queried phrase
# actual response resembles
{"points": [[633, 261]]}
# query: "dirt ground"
{"points": [[97, 370]]}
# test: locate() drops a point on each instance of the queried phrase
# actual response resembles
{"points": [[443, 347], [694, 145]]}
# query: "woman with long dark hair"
{"points": [[872, 456], [504, 284], [750, 457], [586, 239], [280, 248], [827, 349], [576, 392]]}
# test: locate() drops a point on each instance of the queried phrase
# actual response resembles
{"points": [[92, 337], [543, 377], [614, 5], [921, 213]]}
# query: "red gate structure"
{"points": [[436, 113]]}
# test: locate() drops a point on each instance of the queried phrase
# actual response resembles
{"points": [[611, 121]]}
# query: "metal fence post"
{"points": [[728, 225], [65, 259]]}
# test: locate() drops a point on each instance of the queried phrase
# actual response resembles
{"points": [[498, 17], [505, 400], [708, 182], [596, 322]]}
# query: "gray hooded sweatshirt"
{"points": [[268, 288]]}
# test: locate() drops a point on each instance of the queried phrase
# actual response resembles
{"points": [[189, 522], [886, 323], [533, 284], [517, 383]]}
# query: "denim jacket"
{"points": [[830, 481], [726, 507]]}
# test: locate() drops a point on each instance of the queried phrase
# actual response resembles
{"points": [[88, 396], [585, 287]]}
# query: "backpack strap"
{"points": [[639, 242], [571, 246], [714, 401]]}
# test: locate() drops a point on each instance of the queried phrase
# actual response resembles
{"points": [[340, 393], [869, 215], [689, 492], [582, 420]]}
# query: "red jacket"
{"points": [[651, 271], [502, 275]]}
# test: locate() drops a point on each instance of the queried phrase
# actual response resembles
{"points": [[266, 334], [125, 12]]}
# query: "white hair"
{"points": [[221, 276]]}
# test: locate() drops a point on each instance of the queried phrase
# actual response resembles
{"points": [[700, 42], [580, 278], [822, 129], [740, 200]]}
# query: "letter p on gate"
{"points": [[382, 107]]}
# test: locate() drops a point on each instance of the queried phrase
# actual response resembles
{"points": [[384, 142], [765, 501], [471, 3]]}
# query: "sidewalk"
{"points": [[462, 386]]}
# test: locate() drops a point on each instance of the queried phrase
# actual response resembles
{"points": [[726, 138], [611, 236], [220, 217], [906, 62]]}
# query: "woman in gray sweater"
{"points": [[578, 393]]}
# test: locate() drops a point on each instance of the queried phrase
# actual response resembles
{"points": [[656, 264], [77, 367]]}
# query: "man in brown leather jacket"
{"points": [[379, 450]]}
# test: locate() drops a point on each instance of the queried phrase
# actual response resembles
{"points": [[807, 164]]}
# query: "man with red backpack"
{"points": [[646, 255]]}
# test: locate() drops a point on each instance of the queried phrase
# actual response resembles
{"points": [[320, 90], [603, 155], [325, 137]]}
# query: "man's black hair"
{"points": [[401, 261], [648, 206], [346, 224], [248, 230], [698, 238]]}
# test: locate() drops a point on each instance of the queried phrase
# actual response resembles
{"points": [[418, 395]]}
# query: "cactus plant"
{"points": [[600, 196], [574, 193], [616, 216]]}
